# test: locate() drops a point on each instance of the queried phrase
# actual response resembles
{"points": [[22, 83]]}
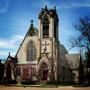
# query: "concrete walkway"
{"points": [[40, 88]]}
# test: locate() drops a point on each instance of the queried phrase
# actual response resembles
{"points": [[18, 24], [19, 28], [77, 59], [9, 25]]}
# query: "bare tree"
{"points": [[83, 40], [83, 26]]}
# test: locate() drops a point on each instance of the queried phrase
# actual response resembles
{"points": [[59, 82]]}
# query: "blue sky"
{"points": [[15, 16]]}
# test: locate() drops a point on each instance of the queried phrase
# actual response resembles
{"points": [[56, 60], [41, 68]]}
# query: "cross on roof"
{"points": [[31, 21], [9, 53]]}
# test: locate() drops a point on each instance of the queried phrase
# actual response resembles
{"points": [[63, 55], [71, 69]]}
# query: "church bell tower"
{"points": [[48, 38], [48, 23]]}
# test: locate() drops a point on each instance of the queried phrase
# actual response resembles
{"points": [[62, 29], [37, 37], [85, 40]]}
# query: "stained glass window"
{"points": [[31, 51]]}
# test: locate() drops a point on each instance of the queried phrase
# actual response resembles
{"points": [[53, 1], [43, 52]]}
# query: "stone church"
{"points": [[41, 56]]}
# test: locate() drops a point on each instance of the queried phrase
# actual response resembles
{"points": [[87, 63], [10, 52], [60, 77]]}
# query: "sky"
{"points": [[15, 16]]}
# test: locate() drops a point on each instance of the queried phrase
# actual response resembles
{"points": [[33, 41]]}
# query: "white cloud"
{"points": [[4, 53], [10, 45]]}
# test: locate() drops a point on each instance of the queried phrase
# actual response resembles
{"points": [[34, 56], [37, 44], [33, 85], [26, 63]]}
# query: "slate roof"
{"points": [[73, 60], [11, 59], [62, 48], [32, 30]]}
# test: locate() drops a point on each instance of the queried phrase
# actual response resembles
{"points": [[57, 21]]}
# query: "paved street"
{"points": [[39, 88]]}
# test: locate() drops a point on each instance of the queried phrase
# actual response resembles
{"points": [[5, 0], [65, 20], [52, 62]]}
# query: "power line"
{"points": [[81, 37]]}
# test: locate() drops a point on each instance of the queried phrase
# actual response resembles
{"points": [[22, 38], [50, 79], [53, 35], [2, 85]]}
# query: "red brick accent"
{"points": [[27, 71]]}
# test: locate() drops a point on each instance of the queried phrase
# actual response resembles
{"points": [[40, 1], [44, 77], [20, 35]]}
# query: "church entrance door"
{"points": [[45, 74], [44, 71]]}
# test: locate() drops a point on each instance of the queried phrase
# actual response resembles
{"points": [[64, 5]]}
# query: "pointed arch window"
{"points": [[45, 27], [31, 51]]}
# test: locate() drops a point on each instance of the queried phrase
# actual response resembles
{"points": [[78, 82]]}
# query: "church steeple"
{"points": [[46, 7], [32, 30], [32, 23], [48, 26]]}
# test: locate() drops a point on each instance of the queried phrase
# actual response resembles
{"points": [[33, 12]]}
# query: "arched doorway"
{"points": [[43, 71], [8, 72]]}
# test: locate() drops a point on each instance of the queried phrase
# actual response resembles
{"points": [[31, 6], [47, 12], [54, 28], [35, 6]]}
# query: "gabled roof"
{"points": [[11, 59], [73, 60], [63, 49], [32, 31]]}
